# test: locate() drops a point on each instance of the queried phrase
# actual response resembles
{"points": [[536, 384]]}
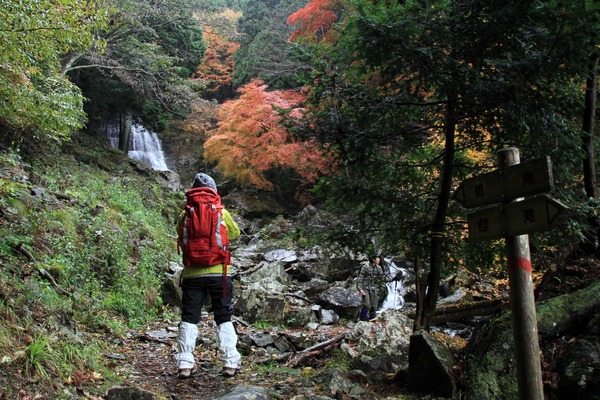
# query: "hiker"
{"points": [[206, 273], [370, 276]]}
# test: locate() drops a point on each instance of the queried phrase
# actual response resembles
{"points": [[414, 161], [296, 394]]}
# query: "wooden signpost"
{"points": [[535, 214], [520, 180], [513, 219]]}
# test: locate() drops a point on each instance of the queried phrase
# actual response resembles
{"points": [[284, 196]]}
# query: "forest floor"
{"points": [[148, 362], [145, 359]]}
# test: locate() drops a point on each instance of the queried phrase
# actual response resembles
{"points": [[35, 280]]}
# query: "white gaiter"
{"points": [[227, 341], [186, 344]]}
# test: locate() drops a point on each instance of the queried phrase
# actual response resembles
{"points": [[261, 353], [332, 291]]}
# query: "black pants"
{"points": [[195, 292]]}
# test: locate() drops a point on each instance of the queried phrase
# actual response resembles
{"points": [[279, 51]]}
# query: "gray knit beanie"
{"points": [[203, 180]]}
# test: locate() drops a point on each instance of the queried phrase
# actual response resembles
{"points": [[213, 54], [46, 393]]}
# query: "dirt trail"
{"points": [[148, 362]]}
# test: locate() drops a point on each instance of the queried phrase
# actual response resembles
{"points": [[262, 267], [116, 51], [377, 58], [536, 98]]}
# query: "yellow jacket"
{"points": [[233, 232]]}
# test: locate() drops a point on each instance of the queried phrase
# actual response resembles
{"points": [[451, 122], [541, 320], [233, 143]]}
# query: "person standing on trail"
{"points": [[204, 230], [368, 280]]}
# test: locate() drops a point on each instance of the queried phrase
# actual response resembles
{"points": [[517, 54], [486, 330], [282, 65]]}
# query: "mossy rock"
{"points": [[491, 368]]}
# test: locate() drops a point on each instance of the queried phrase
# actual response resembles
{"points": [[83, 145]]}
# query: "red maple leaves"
{"points": [[314, 21], [251, 137]]}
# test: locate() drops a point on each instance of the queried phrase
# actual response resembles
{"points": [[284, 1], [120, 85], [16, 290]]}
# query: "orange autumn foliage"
{"points": [[250, 138], [217, 67], [314, 21]]}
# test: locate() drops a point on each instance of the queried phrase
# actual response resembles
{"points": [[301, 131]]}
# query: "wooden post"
{"points": [[525, 333]]}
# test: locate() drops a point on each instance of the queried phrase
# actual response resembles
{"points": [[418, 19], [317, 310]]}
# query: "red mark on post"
{"points": [[520, 263]]}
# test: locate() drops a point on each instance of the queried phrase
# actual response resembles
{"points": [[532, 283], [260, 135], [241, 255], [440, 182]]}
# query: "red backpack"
{"points": [[202, 232]]}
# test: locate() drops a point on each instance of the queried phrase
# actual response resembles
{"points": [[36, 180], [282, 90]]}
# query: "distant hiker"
{"points": [[369, 278], [204, 230]]}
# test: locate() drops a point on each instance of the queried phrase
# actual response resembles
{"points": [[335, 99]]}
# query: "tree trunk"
{"points": [[589, 164], [92, 115], [420, 288], [462, 311], [439, 223], [125, 132]]}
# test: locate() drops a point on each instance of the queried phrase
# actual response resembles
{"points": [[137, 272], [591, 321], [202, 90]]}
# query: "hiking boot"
{"points": [[185, 373], [229, 372]]}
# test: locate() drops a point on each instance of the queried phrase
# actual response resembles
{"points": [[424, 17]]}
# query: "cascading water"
{"points": [[395, 296], [146, 147]]}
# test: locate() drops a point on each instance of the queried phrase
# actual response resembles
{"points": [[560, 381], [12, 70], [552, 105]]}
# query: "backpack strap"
{"points": [[224, 280]]}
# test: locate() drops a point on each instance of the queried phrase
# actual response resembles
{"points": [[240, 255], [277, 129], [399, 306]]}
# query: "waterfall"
{"points": [[112, 135], [146, 147], [395, 296]]}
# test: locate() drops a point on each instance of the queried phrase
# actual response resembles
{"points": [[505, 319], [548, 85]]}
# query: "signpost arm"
{"points": [[525, 333]]}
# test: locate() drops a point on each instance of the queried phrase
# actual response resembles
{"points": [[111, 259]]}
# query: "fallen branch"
{"points": [[149, 338], [297, 360], [253, 269], [240, 321], [326, 343], [41, 270], [457, 312]]}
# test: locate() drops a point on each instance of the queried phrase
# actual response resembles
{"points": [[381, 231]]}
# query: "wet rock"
{"points": [[252, 205]]}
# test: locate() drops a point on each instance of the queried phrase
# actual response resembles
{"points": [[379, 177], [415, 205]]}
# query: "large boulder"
{"points": [[380, 346], [313, 288], [579, 373], [491, 370], [298, 316], [262, 301], [170, 180], [431, 366], [171, 291], [268, 271], [344, 301], [281, 255]]}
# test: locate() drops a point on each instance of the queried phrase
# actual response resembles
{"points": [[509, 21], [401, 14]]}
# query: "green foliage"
{"points": [[105, 240], [262, 325], [156, 116], [220, 5], [35, 96], [151, 50], [47, 354], [381, 96], [39, 356], [265, 52]]}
